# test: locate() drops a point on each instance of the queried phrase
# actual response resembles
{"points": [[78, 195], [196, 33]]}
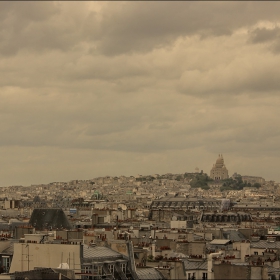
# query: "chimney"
{"points": [[154, 249]]}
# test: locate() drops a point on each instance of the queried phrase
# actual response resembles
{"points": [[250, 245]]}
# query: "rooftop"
{"points": [[219, 242], [99, 252]]}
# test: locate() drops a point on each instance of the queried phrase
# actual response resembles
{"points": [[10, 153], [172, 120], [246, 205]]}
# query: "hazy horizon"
{"points": [[90, 89]]}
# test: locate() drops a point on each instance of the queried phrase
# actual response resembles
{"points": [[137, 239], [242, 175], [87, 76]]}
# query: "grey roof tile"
{"points": [[263, 244], [99, 252], [9, 250], [234, 235], [149, 273], [271, 269], [191, 265], [50, 217]]}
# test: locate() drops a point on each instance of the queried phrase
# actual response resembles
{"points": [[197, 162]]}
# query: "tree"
{"points": [[257, 185], [178, 178], [200, 181], [234, 184]]}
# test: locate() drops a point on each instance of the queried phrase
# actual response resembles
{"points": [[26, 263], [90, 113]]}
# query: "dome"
{"points": [[219, 170], [220, 161]]}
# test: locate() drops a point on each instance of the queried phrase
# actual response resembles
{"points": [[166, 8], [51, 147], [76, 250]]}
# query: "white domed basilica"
{"points": [[219, 170]]}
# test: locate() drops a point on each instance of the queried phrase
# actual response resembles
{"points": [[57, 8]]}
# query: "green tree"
{"points": [[200, 181], [257, 185]]}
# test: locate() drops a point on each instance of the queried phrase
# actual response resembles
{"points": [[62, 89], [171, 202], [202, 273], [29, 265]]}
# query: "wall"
{"points": [[44, 255], [227, 271], [178, 270], [119, 246], [178, 224], [173, 235], [21, 231], [259, 272], [197, 248], [244, 248]]}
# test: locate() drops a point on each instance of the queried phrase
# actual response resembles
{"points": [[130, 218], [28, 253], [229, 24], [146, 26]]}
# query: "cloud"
{"points": [[137, 88], [121, 27], [134, 27], [263, 35], [268, 36]]}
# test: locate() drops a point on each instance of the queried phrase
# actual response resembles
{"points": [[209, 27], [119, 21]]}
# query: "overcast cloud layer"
{"points": [[89, 89]]}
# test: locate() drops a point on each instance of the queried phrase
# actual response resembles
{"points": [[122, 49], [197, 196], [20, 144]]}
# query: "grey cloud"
{"points": [[263, 35], [123, 27], [91, 67], [35, 26], [140, 87], [112, 124], [238, 77], [133, 27], [270, 37]]}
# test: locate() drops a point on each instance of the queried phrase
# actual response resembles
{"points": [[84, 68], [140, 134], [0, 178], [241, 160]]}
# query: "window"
{"points": [[189, 276], [204, 276], [86, 269], [97, 269], [123, 267], [111, 268], [256, 253], [6, 263]]}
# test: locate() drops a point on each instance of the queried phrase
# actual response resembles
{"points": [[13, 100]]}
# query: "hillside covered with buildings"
{"points": [[168, 226]]}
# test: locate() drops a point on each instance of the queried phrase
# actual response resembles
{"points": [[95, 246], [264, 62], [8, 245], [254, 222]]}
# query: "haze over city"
{"points": [[91, 89]]}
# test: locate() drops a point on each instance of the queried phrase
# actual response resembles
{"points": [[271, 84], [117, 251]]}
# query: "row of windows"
{"points": [[98, 270], [192, 276], [186, 204]]}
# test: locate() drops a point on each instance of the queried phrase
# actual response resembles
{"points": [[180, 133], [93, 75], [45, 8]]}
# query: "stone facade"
{"points": [[229, 217], [219, 170], [245, 271]]}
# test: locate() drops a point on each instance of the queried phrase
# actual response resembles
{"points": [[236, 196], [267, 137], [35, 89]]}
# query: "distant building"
{"points": [[253, 179], [219, 170], [227, 217], [185, 209]]}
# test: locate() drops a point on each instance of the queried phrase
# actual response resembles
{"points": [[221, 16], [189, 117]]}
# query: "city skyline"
{"points": [[90, 89]]}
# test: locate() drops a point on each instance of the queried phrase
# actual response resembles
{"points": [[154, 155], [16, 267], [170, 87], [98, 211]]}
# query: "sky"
{"points": [[91, 89]]}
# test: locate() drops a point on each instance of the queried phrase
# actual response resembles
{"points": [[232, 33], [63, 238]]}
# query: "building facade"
{"points": [[219, 170]]}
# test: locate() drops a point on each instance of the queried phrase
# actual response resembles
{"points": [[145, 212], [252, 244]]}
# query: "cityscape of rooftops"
{"points": [[139, 140]]}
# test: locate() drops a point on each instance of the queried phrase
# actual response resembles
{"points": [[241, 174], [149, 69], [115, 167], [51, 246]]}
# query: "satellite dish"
{"points": [[174, 218], [64, 266], [131, 227], [103, 229]]}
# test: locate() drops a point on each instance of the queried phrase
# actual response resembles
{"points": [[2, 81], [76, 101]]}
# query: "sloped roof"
{"points": [[193, 265], [49, 217], [234, 235], [149, 273], [271, 270], [5, 226], [263, 244], [99, 252], [9, 250]]}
